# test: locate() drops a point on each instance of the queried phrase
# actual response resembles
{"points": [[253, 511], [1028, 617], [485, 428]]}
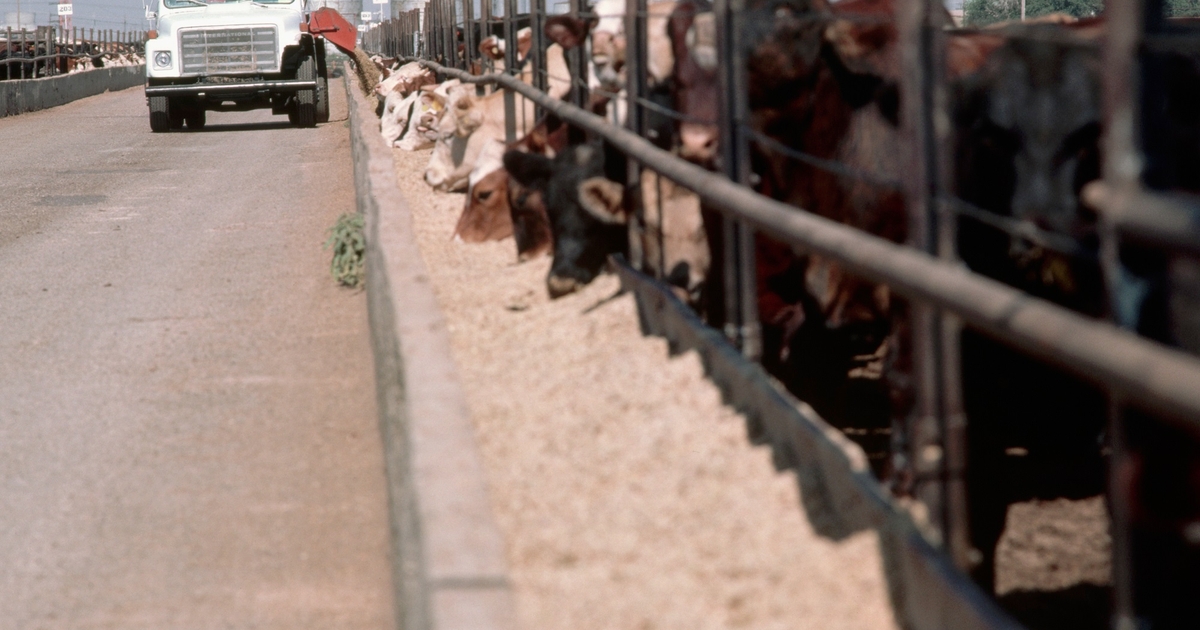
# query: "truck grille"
{"points": [[228, 50]]}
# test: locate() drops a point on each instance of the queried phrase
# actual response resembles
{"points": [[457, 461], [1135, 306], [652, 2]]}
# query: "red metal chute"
{"points": [[330, 24]]}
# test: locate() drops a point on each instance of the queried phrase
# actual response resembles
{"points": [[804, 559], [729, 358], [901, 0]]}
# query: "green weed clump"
{"points": [[349, 248]]}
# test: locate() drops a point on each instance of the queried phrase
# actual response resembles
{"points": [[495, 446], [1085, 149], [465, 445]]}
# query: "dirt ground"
{"points": [[628, 494]]}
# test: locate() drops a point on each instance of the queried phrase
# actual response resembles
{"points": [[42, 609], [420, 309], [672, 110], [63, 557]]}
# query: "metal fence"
{"points": [[1148, 382], [49, 51]]}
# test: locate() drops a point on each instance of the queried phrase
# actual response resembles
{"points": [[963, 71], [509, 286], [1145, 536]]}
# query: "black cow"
{"points": [[577, 195]]}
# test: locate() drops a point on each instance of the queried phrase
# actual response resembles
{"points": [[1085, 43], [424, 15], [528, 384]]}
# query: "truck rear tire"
{"points": [[306, 100], [160, 114]]}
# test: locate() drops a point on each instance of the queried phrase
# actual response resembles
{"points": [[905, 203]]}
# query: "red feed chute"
{"points": [[332, 26]]}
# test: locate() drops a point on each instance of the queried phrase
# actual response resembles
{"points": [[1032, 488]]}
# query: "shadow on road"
{"points": [[258, 126], [1080, 607]]}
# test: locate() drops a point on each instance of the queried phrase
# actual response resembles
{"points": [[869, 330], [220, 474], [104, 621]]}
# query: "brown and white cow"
{"points": [[471, 122]]}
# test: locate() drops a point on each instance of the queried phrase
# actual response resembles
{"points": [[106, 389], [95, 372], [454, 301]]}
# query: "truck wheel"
{"points": [[196, 119], [322, 100], [306, 100], [160, 115]]}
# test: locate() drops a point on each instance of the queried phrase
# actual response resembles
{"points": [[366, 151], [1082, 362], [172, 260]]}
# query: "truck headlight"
{"points": [[162, 59]]}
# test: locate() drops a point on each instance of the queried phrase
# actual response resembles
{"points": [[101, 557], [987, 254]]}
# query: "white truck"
{"points": [[235, 55]]}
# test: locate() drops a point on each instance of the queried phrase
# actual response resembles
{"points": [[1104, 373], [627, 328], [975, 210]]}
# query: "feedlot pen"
{"points": [[959, 311], [626, 490]]}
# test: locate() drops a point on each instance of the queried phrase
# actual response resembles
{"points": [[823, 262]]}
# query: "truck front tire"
{"points": [[160, 114], [306, 100]]}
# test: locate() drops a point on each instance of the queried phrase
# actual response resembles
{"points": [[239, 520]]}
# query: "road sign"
{"points": [[381, 1], [366, 16], [362, 27], [66, 9]]}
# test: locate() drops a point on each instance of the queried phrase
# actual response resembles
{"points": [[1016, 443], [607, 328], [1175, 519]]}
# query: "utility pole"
{"points": [[1022, 10]]}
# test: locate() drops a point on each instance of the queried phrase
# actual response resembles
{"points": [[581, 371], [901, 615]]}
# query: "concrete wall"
{"points": [[449, 565], [29, 95]]}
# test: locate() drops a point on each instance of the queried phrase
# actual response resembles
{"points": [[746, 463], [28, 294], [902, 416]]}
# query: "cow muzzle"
{"points": [[698, 143], [559, 286]]}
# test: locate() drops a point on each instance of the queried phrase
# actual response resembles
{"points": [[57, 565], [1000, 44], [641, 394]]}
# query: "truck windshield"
{"points": [[178, 4]]}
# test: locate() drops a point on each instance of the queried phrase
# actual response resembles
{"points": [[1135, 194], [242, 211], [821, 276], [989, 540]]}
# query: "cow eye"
{"points": [[484, 195]]}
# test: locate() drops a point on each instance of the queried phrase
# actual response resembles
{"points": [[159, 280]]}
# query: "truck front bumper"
{"points": [[218, 89]]}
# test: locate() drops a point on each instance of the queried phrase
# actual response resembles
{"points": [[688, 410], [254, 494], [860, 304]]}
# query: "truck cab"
{"points": [[234, 55]]}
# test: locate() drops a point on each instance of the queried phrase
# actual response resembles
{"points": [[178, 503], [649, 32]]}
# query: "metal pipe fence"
{"points": [[49, 50], [1146, 207]]}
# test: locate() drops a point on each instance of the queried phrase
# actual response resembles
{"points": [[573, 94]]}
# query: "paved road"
{"points": [[187, 425]]}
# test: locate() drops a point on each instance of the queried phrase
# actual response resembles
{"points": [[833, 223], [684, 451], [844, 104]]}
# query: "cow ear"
{"points": [[603, 199], [490, 47], [566, 31], [527, 168]]}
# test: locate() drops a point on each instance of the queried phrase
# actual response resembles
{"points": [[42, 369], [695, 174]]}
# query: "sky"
{"points": [[130, 14]]}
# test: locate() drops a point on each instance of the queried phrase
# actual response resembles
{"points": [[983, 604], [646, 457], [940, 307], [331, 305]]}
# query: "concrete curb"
{"points": [[29, 95], [449, 564]]}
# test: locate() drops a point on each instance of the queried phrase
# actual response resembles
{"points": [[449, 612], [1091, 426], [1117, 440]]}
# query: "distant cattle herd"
{"points": [[38, 55], [823, 86]]}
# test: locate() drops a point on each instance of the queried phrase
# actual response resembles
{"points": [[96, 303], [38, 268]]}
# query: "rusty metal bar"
{"points": [[1122, 172], [510, 69], [470, 46], [577, 61], [635, 121], [749, 326], [1160, 379]]}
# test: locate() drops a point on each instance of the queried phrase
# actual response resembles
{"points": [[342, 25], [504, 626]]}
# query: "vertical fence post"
{"points": [[936, 431], [738, 310], [470, 45], [578, 63], [635, 89], [1122, 173], [511, 67], [537, 21]]}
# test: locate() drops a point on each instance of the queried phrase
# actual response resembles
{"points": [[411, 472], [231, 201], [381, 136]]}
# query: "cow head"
{"points": [[396, 116], [1029, 131], [673, 240], [783, 40], [486, 215], [583, 210], [692, 31]]}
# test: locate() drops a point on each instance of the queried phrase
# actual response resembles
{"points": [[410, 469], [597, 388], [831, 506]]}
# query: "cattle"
{"points": [[393, 120], [580, 202], [405, 80], [692, 31], [485, 215], [410, 122], [488, 184], [471, 122], [493, 199], [839, 335], [1027, 140]]}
